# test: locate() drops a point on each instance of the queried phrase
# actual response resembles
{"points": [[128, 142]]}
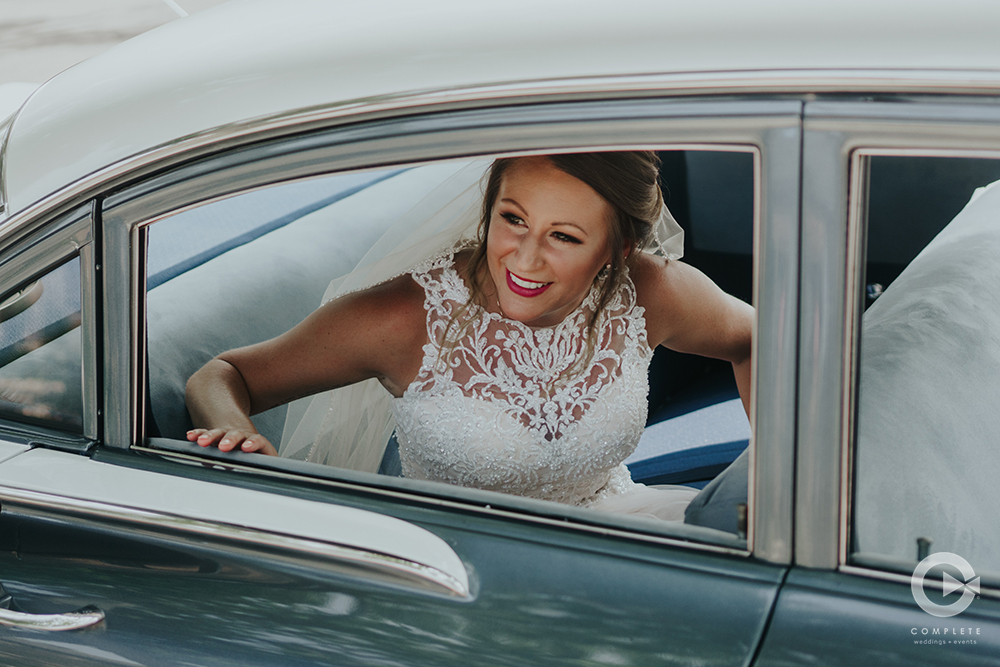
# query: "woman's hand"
{"points": [[228, 439]]}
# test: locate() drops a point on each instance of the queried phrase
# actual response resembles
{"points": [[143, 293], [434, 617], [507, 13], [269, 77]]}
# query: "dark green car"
{"points": [[198, 187]]}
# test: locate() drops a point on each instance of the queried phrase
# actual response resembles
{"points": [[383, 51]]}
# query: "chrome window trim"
{"points": [[838, 136], [389, 569], [769, 538], [5, 126], [857, 237], [88, 337], [40, 252], [488, 510], [775, 367], [138, 242], [120, 384], [361, 144], [986, 590]]}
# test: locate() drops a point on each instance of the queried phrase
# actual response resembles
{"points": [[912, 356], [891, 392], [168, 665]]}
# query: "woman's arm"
{"points": [[687, 312], [375, 333]]}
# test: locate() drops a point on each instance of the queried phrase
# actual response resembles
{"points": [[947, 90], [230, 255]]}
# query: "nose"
{"points": [[529, 256]]}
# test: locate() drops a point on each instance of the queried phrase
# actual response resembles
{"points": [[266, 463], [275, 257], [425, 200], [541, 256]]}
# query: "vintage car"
{"points": [[198, 187]]}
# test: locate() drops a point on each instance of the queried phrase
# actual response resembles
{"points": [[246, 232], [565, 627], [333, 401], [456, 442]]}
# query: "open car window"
{"points": [[925, 457], [249, 267]]}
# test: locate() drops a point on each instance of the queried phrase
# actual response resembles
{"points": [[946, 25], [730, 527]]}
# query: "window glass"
{"points": [[248, 268], [929, 363], [40, 362]]}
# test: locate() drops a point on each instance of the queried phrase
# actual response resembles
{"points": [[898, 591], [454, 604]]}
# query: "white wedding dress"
{"points": [[508, 411]]}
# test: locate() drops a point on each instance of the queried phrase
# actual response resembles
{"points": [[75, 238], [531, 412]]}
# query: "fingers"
{"points": [[228, 440], [260, 444]]}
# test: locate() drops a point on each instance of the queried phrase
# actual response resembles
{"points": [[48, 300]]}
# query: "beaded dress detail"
{"points": [[523, 410]]}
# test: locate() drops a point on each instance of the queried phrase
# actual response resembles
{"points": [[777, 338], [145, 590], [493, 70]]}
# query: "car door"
{"points": [[895, 557], [193, 556]]}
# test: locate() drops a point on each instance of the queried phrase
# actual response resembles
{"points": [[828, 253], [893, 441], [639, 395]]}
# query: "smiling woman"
{"points": [[517, 362], [548, 237]]}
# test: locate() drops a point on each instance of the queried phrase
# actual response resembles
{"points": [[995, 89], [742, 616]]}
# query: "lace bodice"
{"points": [[522, 410]]}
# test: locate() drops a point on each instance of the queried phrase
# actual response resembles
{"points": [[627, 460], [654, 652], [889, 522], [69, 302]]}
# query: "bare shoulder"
{"points": [[656, 278], [685, 310], [662, 283], [647, 273]]}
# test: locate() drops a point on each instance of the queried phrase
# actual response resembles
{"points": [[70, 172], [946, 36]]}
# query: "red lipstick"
{"points": [[521, 290]]}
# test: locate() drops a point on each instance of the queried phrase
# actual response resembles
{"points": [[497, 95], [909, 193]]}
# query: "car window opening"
{"points": [[264, 260], [928, 364]]}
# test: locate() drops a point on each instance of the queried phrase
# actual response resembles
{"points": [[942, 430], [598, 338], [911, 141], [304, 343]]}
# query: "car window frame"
{"points": [[769, 128], [839, 138], [30, 252]]}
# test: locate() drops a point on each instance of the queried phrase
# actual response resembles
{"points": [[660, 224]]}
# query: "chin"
{"points": [[514, 308]]}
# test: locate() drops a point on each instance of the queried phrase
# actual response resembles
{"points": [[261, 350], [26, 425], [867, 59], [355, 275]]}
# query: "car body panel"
{"points": [[831, 618], [537, 592], [10, 449], [45, 478], [258, 59]]}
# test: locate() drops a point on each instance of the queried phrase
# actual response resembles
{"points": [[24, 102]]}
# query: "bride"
{"points": [[517, 362]]}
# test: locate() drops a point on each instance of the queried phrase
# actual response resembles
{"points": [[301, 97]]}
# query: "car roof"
{"points": [[207, 74]]}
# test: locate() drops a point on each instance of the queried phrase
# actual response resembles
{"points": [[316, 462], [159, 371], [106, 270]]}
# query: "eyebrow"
{"points": [[507, 200]]}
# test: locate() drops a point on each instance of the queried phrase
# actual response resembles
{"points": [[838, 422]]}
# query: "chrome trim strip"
{"points": [[119, 384], [821, 310], [992, 154], [857, 201], [763, 82], [137, 385], [758, 205], [776, 284], [5, 126], [899, 578], [74, 620], [389, 568], [412, 497], [88, 341]]}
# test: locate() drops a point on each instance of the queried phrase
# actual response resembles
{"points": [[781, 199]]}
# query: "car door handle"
{"points": [[74, 620]]}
